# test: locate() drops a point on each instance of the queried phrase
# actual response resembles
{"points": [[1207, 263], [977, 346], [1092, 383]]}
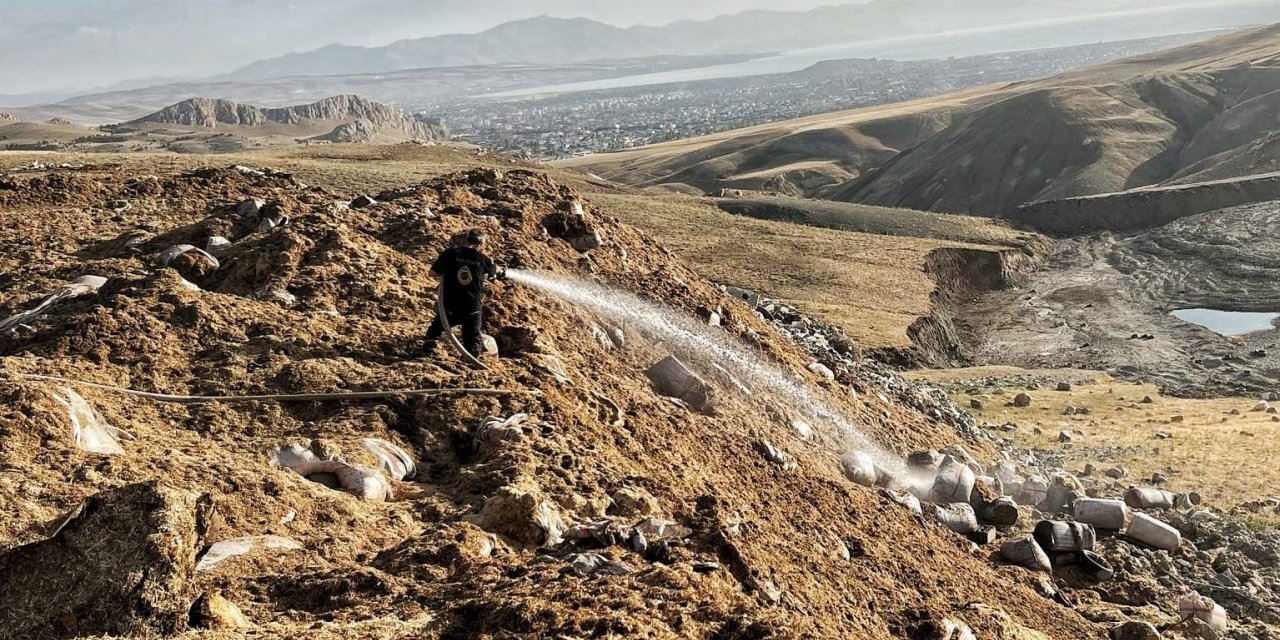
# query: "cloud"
{"points": [[86, 30]]}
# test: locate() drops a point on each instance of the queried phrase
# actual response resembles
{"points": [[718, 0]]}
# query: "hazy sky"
{"points": [[48, 44]]}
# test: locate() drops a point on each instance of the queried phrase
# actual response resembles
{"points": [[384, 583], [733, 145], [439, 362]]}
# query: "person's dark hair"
{"points": [[475, 238]]}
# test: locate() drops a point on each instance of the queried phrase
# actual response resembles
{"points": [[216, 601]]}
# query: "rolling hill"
{"points": [[1203, 111]]}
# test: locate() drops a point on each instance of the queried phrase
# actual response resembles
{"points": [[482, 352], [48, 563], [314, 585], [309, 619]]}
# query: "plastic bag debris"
{"points": [[494, 429], [365, 484], [84, 285], [172, 253], [233, 547], [89, 431], [590, 564], [395, 461]]}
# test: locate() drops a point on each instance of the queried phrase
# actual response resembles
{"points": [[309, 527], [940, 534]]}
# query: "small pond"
{"points": [[1228, 323]]}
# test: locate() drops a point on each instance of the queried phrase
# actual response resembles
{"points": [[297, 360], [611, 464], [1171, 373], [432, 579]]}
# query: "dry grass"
{"points": [[871, 285], [1228, 459]]}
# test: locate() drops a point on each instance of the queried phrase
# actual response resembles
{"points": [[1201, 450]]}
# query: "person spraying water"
{"points": [[463, 271], [710, 345]]}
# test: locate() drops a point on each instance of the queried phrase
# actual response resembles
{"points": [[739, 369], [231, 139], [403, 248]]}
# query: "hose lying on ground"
{"points": [[280, 397], [448, 330]]}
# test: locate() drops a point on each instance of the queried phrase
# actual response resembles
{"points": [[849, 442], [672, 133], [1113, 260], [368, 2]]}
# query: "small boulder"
{"points": [[1148, 400], [1022, 400], [1064, 437], [214, 612], [975, 404], [1134, 630], [630, 502], [823, 371], [1064, 386]]}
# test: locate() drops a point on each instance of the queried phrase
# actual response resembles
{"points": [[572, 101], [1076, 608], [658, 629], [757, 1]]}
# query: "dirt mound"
{"points": [[337, 300]]}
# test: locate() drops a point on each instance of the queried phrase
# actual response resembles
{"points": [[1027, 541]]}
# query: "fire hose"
{"points": [[448, 331], [278, 397]]}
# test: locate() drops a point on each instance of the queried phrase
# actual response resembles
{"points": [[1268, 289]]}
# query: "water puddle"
{"points": [[1228, 323]]}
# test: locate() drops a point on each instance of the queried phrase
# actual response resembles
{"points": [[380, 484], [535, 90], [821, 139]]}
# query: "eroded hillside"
{"points": [[335, 301]]}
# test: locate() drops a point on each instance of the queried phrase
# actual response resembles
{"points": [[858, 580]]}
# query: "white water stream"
{"points": [[713, 345]]}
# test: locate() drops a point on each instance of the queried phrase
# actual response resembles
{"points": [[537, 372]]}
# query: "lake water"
{"points": [[1128, 25], [1228, 323]]}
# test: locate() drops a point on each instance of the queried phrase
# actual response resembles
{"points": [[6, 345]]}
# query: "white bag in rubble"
{"points": [[89, 431]]}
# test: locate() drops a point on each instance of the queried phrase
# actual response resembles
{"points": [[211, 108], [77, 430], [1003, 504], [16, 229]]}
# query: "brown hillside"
{"points": [[336, 301], [1205, 110]]}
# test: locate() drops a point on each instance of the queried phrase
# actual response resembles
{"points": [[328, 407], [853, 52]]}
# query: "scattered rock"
{"points": [[776, 456], [823, 371], [1117, 472], [630, 502], [1064, 436], [214, 612], [975, 404], [1134, 630], [1064, 386], [1022, 400], [1148, 400]]}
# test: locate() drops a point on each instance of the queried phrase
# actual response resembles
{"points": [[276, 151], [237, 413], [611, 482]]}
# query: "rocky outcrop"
{"points": [[362, 116], [6, 118]]}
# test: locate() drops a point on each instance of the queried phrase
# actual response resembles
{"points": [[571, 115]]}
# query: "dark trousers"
{"points": [[469, 319]]}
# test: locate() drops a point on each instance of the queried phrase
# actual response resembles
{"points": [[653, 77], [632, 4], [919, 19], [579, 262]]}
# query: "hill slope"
{"points": [[471, 547], [1202, 111], [1131, 124]]}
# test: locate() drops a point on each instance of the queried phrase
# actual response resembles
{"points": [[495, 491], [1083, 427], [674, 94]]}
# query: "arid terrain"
{"points": [[1188, 114], [334, 302], [711, 405]]}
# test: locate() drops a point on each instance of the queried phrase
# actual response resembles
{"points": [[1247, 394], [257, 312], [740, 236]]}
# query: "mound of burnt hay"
{"points": [[120, 565]]}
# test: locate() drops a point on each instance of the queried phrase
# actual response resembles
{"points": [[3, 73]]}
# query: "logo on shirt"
{"points": [[464, 276]]}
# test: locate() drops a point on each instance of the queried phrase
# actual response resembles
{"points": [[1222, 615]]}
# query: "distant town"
{"points": [[576, 124]]}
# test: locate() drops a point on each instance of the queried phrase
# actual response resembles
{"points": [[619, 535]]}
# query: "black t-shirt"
{"points": [[464, 271]]}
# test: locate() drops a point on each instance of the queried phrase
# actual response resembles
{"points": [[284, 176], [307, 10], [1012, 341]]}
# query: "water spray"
{"points": [[715, 346]]}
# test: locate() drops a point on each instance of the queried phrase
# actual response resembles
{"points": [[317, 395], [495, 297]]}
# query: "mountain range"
{"points": [[561, 40]]}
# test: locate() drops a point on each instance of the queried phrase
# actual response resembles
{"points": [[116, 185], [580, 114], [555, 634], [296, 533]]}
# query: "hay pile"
{"points": [[338, 300]]}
